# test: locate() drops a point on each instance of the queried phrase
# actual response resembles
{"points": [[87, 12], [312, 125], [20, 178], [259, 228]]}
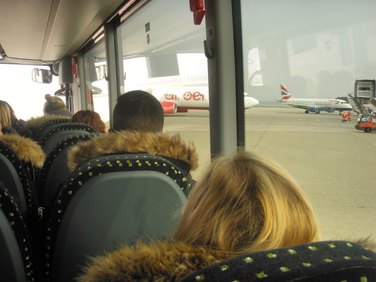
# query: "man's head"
{"points": [[138, 111]]}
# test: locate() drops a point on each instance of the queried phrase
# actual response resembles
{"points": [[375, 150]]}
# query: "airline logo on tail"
{"points": [[285, 93]]}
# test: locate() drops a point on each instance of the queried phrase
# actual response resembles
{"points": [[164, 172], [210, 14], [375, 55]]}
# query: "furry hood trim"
{"points": [[33, 124], [156, 261], [133, 142], [26, 149]]}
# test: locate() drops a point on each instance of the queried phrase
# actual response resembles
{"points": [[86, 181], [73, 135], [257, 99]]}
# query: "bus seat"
{"points": [[17, 128], [15, 177], [319, 261], [46, 125], [15, 256], [9, 130], [55, 169], [110, 199], [56, 133]]}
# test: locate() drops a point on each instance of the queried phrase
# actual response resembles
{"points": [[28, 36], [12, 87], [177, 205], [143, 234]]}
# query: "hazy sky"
{"points": [[24, 95]]}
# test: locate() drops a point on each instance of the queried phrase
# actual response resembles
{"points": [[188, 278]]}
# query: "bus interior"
{"points": [[89, 52]]}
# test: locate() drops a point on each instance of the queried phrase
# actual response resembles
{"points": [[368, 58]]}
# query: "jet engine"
{"points": [[169, 107], [312, 109]]}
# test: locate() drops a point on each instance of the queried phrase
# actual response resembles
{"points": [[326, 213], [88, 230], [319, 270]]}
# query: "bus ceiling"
{"points": [[44, 32]]}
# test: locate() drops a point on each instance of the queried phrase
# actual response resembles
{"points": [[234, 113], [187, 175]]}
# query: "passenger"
{"points": [[5, 116], [137, 128], [55, 106], [16, 123], [28, 151], [91, 118], [243, 203]]}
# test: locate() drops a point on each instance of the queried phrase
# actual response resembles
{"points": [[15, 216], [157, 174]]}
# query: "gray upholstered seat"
{"points": [[46, 125], [15, 256], [55, 169], [9, 130], [15, 177], [58, 132], [111, 199]]}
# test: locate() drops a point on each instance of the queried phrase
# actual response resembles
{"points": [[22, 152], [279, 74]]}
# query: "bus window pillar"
{"points": [[225, 75], [113, 66]]}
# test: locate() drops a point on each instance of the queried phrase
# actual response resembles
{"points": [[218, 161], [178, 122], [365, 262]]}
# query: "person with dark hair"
{"points": [[91, 118], [137, 128], [138, 111]]}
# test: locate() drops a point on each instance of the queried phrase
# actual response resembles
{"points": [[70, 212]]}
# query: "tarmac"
{"points": [[334, 163]]}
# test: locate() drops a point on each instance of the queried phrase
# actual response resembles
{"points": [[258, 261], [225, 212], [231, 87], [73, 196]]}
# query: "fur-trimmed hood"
{"points": [[33, 124], [156, 261], [26, 149], [133, 142], [161, 261]]}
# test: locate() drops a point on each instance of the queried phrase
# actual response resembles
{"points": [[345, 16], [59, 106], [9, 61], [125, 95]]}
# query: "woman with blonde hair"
{"points": [[243, 203], [5, 116], [55, 106]]}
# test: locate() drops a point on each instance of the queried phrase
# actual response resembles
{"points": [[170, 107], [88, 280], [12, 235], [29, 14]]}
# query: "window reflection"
{"points": [[96, 84]]}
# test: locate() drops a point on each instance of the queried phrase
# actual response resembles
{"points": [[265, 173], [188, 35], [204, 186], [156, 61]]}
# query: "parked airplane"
{"points": [[194, 100], [314, 105]]}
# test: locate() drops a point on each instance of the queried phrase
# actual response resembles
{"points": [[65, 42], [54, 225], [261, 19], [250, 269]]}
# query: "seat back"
{"points": [[55, 169], [111, 199], [319, 261], [15, 256], [57, 132], [46, 125], [9, 130], [15, 177]]}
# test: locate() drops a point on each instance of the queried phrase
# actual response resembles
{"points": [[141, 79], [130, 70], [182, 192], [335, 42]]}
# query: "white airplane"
{"points": [[314, 105], [194, 100]]}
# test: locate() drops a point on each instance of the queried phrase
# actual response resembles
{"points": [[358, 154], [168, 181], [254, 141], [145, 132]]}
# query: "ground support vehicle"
{"points": [[366, 122]]}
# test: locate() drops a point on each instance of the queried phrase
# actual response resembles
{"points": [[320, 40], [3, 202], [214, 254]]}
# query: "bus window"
{"points": [[96, 83], [316, 53], [24, 95], [162, 52]]}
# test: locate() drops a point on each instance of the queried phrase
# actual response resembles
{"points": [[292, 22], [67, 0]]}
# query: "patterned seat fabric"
{"points": [[104, 165], [55, 169], [23, 175], [9, 208], [7, 130], [17, 128], [35, 136], [63, 127], [320, 261]]}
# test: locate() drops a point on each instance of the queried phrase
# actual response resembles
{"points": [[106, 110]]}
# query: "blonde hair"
{"points": [[53, 103], [245, 203], [5, 118]]}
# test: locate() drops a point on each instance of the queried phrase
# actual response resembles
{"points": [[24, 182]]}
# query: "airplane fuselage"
{"points": [[195, 100], [314, 105]]}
